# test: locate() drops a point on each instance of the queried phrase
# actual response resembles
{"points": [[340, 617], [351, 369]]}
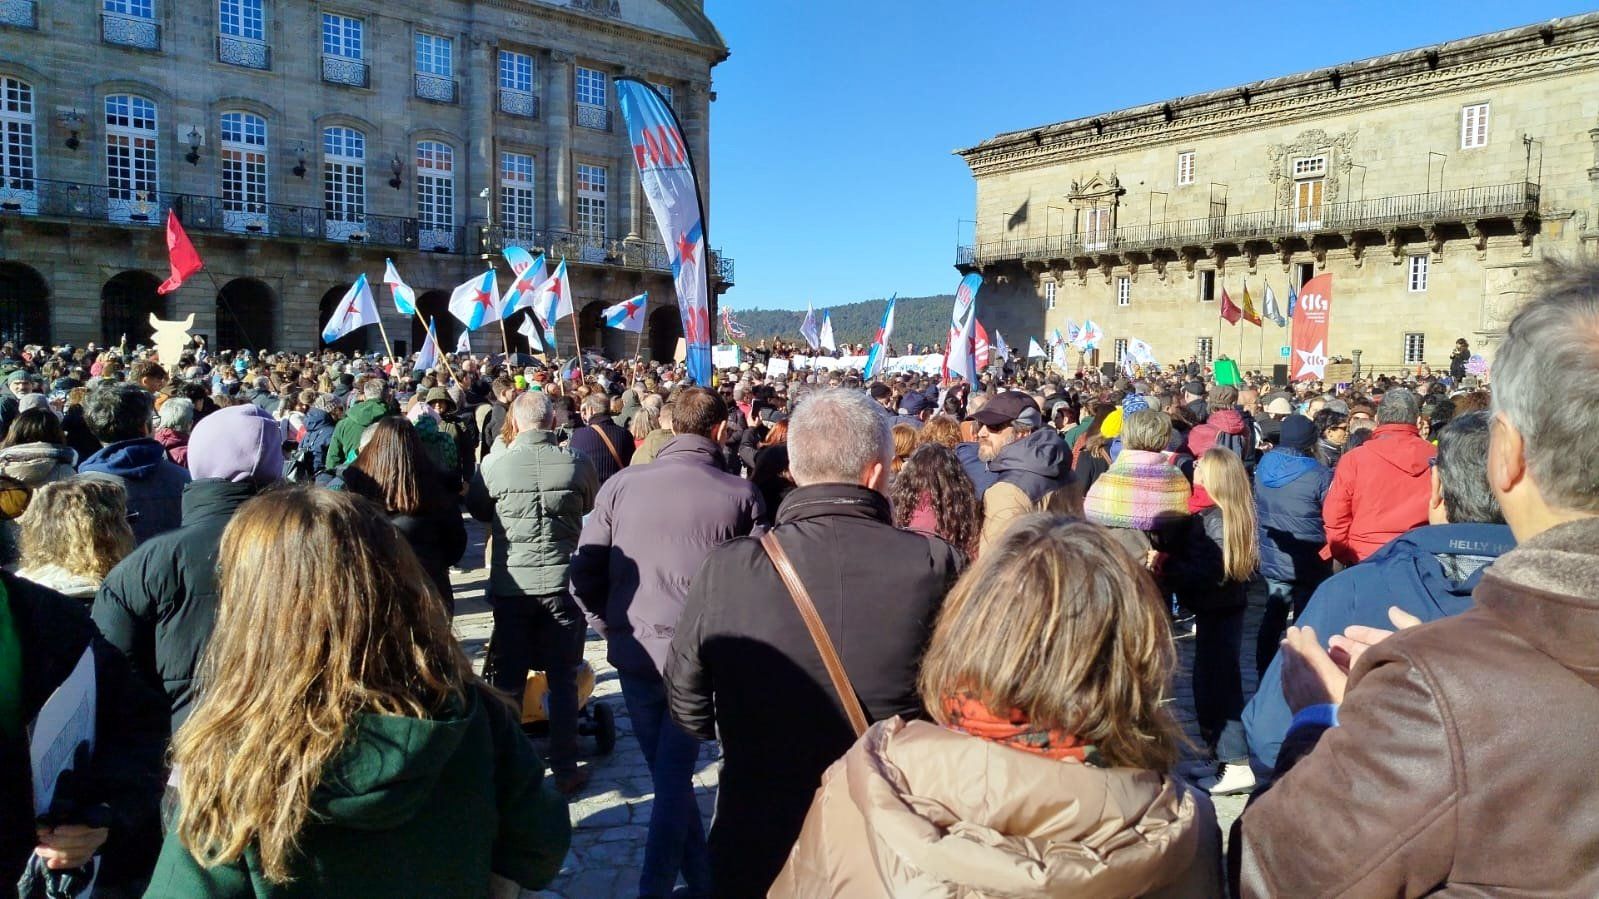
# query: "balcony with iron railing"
{"points": [[579, 247], [1516, 202], [42, 198], [130, 207], [519, 103], [19, 14], [130, 31], [437, 88], [243, 51], [345, 70]]}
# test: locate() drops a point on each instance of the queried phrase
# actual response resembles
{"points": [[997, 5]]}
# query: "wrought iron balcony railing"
{"points": [[130, 31], [243, 51], [590, 248], [19, 14], [344, 70], [519, 103], [1470, 204], [201, 214], [438, 88]]}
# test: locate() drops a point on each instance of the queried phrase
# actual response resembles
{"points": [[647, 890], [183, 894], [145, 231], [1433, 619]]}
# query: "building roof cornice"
{"points": [[708, 40], [1527, 52]]}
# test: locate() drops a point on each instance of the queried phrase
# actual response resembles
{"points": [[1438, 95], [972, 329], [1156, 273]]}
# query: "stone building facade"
{"points": [[302, 144], [1430, 183]]}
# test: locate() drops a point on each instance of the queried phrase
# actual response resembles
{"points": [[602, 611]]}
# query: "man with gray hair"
{"points": [[534, 495], [607, 444], [1463, 759], [1380, 488], [743, 666], [347, 433]]}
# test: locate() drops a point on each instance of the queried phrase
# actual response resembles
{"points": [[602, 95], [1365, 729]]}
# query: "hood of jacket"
{"points": [[390, 768], [170, 439], [318, 419], [31, 462], [1226, 421], [136, 459], [1416, 553], [367, 412], [1041, 453], [1400, 446], [1283, 466], [1028, 825]]}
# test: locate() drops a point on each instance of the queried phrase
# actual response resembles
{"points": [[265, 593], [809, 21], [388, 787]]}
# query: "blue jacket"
{"points": [[1413, 572], [976, 468], [154, 484], [1289, 489], [318, 434]]}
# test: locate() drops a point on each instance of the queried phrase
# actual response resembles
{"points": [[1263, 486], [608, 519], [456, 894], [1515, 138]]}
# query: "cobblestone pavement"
{"points": [[610, 816]]}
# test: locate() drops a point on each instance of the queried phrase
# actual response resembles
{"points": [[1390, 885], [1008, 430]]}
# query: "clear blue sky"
{"points": [[832, 131]]}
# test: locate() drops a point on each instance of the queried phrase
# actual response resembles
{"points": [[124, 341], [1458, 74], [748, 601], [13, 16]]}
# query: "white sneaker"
{"points": [[1234, 779]]}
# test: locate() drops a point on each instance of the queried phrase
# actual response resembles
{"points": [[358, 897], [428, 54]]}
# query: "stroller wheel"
{"points": [[604, 728]]}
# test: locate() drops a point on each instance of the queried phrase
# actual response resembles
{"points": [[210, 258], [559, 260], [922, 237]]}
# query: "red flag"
{"points": [[185, 261], [1229, 309]]}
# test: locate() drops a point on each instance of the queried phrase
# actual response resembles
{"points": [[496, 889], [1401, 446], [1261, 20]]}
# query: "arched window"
{"points": [[132, 159], [344, 182], [435, 196], [244, 172], [18, 192]]}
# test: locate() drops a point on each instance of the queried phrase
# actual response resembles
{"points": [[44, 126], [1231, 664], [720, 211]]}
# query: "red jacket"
{"points": [[1379, 491]]}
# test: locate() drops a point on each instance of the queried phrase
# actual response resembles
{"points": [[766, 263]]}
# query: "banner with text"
{"points": [[1312, 314]]}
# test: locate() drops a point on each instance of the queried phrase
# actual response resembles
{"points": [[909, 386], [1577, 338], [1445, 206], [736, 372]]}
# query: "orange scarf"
{"points": [[966, 714]]}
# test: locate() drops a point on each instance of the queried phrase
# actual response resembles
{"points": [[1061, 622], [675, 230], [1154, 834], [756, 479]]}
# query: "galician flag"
{"points": [[1293, 300], [808, 328], [477, 302], [1091, 336], [1250, 315], [960, 352], [828, 343], [463, 345], [627, 316], [552, 299], [1271, 310], [529, 274], [529, 328], [877, 356], [404, 296], [428, 356], [356, 310], [1000, 347], [1034, 351]]}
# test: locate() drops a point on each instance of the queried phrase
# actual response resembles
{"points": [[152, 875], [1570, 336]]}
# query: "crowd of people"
{"points": [[932, 624]]}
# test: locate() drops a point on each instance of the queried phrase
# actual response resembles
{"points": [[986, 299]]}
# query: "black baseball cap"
{"points": [[1010, 407]]}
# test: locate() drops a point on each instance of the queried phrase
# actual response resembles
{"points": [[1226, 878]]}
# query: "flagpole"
{"points": [[443, 356], [384, 331], [222, 295]]}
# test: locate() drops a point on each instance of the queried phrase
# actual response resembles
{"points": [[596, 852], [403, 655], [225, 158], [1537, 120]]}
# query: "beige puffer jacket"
{"points": [[916, 810]]}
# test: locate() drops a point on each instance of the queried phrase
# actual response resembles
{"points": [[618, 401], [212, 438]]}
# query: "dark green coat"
{"points": [[413, 808], [347, 433]]}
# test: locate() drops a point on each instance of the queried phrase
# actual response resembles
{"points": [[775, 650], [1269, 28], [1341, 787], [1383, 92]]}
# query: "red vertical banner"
{"points": [[1311, 316]]}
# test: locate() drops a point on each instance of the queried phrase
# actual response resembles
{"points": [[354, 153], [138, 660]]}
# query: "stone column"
{"points": [[558, 165], [478, 92], [629, 197]]}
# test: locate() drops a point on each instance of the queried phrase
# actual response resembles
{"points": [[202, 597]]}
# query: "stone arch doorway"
{"points": [[357, 341], [519, 343], [126, 303], [435, 304], [24, 305], [665, 327], [247, 316]]}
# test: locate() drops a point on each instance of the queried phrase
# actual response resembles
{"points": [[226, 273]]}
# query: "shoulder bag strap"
{"points": [[615, 456], [813, 623]]}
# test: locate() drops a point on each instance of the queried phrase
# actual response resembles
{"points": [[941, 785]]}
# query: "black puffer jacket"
{"points": [[125, 772], [743, 668], [437, 536], [159, 604], [1195, 569]]}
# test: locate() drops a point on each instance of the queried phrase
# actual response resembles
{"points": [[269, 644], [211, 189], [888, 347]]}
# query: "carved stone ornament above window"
{"points": [[1096, 191], [1339, 149]]}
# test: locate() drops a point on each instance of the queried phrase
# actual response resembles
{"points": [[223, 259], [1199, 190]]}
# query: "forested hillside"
{"points": [[918, 320]]}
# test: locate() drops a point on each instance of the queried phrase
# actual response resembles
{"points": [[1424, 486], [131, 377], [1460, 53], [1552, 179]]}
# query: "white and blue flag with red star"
{"points": [[527, 274], [667, 175], [477, 302], [627, 316], [878, 354], [356, 310]]}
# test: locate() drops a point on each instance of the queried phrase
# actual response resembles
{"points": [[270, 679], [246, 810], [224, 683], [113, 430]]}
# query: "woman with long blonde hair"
{"points": [[74, 532], [1209, 573], [341, 744], [1044, 770]]}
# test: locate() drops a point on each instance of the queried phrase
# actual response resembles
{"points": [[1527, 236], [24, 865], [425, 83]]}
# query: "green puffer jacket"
{"points": [[413, 807], [347, 434], [534, 495]]}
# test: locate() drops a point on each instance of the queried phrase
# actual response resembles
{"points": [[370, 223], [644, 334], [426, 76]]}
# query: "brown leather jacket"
{"points": [[914, 809], [1465, 759]]}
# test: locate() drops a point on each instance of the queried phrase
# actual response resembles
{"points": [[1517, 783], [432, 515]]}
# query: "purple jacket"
{"points": [[651, 529]]}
